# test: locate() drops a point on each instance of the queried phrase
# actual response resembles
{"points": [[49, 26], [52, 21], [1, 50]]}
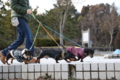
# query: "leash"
{"points": [[57, 32], [61, 35], [35, 36], [40, 24]]}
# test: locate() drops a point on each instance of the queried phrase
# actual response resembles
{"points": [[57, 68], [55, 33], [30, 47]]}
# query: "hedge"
{"points": [[4, 44], [46, 42]]}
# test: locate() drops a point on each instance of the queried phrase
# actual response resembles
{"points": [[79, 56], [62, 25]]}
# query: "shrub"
{"points": [[3, 44], [45, 42]]}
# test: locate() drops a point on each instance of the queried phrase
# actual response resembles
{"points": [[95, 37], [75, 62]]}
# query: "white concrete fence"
{"points": [[79, 71]]}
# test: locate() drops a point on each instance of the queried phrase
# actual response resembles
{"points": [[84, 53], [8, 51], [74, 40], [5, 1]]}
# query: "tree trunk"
{"points": [[111, 39], [61, 31], [63, 18], [61, 38]]}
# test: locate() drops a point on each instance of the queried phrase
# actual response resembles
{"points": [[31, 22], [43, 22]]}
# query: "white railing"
{"points": [[80, 71]]}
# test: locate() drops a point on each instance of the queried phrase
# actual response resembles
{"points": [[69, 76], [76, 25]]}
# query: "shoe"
{"points": [[2, 57]]}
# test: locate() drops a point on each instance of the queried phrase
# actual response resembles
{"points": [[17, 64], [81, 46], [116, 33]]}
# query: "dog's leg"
{"points": [[33, 60], [40, 56], [25, 61], [7, 63], [79, 57], [67, 57], [37, 61], [7, 58], [56, 60], [81, 60], [66, 60], [12, 60]]}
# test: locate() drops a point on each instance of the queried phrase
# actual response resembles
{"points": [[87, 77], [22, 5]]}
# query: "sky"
{"points": [[48, 4], [42, 4]]}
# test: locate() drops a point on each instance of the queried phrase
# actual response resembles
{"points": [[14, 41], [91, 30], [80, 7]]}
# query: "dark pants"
{"points": [[24, 33]]}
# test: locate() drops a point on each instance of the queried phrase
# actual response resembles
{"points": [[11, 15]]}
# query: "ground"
{"points": [[95, 59]]}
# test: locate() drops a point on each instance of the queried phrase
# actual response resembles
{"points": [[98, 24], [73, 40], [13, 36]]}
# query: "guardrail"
{"points": [[79, 71]]}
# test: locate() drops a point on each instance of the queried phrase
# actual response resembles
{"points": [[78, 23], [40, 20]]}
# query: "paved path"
{"points": [[96, 59]]}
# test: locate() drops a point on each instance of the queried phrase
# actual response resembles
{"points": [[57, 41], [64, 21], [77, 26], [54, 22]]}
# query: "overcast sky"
{"points": [[94, 2], [48, 4]]}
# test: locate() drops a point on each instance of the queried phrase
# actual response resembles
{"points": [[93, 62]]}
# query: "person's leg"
{"points": [[16, 43], [20, 39], [29, 37]]}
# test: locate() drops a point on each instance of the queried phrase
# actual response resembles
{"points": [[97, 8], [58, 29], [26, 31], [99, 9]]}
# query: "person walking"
{"points": [[20, 16]]}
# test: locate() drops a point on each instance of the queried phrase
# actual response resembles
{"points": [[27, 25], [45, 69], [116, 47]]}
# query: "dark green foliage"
{"points": [[117, 41], [45, 42], [3, 44], [7, 31]]}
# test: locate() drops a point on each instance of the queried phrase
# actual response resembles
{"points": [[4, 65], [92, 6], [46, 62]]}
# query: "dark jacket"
{"points": [[19, 9]]}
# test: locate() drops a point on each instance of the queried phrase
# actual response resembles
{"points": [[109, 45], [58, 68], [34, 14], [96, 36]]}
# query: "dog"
{"points": [[56, 54], [21, 56], [81, 53]]}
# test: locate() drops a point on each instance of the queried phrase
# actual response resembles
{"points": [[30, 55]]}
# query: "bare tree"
{"points": [[65, 6], [111, 22], [102, 20]]}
